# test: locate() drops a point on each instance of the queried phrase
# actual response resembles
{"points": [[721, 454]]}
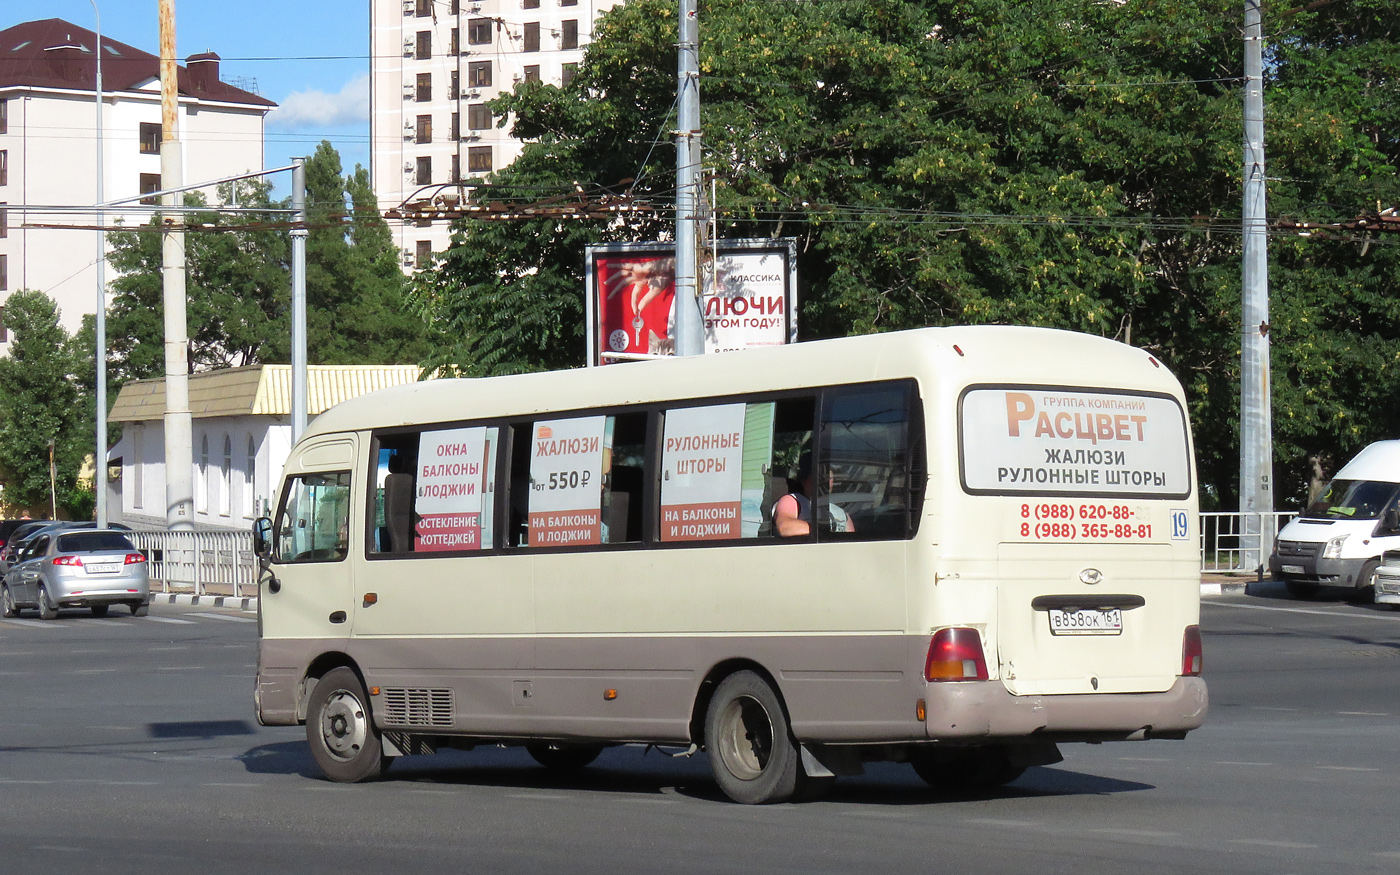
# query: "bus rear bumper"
{"points": [[987, 710]]}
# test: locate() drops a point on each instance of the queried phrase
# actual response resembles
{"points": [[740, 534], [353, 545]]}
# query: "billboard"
{"points": [[747, 301]]}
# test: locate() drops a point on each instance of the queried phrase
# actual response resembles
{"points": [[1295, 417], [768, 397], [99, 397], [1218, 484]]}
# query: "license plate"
{"points": [[1292, 569], [102, 569], [1086, 622]]}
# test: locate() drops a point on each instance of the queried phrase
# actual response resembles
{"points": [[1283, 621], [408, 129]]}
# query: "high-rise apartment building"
{"points": [[434, 65]]}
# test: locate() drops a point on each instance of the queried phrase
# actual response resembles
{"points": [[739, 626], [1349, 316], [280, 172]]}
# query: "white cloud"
{"points": [[317, 110]]}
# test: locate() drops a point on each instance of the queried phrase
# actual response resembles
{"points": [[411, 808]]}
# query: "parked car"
{"points": [[28, 533], [16, 538], [77, 568]]}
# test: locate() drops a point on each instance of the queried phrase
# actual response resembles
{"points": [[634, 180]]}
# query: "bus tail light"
{"points": [[1191, 657], [955, 655]]}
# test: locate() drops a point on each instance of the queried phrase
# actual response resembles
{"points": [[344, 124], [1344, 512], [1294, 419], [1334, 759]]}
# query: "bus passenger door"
{"points": [[307, 600]]}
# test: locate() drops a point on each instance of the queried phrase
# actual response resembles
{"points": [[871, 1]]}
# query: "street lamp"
{"points": [[100, 458]]}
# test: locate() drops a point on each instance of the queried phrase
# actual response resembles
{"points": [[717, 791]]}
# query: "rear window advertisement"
{"points": [[567, 460], [1035, 440], [452, 501], [702, 466]]}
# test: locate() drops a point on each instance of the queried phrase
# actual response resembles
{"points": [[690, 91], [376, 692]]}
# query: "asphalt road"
{"points": [[129, 745]]}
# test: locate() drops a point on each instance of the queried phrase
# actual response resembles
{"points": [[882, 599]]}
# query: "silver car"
{"points": [[82, 568]]}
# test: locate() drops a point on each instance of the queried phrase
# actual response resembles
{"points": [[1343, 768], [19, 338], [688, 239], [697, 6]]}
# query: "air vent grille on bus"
{"points": [[417, 707]]}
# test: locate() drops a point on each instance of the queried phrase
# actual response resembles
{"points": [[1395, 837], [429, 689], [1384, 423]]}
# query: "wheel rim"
{"points": [[344, 726], [745, 738], [9, 602]]}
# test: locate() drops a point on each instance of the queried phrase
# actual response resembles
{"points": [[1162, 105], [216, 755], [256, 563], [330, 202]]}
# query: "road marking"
{"points": [[433, 792], [1348, 768], [131, 783], [230, 784], [1349, 615], [1364, 713], [14, 781], [996, 821], [94, 671], [1143, 760], [1389, 855], [230, 617], [1143, 833], [31, 624], [179, 668], [1269, 843], [112, 623], [163, 649], [1237, 763], [170, 620], [1269, 708]]}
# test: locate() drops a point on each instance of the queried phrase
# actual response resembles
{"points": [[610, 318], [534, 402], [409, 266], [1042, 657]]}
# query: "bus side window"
{"points": [[314, 524], [863, 472], [392, 507]]}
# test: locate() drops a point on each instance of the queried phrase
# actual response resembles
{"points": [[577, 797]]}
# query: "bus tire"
{"points": [[563, 756], [966, 771], [752, 753], [343, 739]]}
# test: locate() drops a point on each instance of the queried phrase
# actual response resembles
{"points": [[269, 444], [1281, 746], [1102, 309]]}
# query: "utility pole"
{"points": [[690, 338], [179, 438], [1256, 428], [100, 459], [298, 298]]}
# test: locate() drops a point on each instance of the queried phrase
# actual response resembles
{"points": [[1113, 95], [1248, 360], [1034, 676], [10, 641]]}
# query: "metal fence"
{"points": [[222, 563], [1239, 542], [202, 563]]}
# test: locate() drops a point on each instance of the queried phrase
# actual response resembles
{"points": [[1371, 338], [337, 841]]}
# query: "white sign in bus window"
{"points": [[1047, 441], [702, 462], [566, 482], [452, 489]]}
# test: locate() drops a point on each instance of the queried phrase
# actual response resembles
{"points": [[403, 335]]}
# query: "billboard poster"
{"points": [[453, 488], [747, 298], [1038, 440], [566, 482], [702, 464]]}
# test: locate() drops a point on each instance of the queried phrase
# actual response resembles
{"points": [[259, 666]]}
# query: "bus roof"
{"points": [[952, 357]]}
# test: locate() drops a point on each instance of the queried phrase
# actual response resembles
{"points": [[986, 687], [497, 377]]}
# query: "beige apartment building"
{"points": [[435, 64], [48, 149]]}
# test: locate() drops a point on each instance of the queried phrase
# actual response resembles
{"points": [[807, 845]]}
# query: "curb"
{"points": [[1218, 588], [207, 601]]}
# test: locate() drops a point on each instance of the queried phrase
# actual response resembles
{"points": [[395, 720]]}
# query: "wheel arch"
{"points": [[319, 668], [717, 673]]}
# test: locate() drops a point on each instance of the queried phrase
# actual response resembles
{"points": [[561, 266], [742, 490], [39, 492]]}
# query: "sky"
{"points": [[281, 45]]}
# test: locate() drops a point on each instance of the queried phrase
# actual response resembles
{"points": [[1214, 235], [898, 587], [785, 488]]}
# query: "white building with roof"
{"points": [[48, 149], [242, 436], [433, 66]]}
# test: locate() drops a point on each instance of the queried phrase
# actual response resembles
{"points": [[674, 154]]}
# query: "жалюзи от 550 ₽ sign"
{"points": [[747, 301]]}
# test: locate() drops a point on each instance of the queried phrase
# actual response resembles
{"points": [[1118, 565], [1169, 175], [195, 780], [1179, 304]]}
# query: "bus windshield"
{"points": [[1351, 500]]}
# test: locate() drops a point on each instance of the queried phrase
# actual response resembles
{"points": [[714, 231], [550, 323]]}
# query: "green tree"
{"points": [[238, 282], [42, 403], [1066, 164]]}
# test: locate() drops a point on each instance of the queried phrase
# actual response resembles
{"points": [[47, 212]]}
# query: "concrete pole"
{"points": [[298, 298], [100, 459], [1256, 425], [179, 438], [690, 338]]}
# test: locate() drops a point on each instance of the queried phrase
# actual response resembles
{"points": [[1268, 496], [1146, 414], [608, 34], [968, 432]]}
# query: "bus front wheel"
{"points": [[752, 753], [343, 739]]}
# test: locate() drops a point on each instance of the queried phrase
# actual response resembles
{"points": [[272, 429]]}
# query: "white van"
{"points": [[1338, 539]]}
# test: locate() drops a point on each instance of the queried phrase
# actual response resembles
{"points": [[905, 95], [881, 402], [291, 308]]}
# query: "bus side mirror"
{"points": [[262, 537]]}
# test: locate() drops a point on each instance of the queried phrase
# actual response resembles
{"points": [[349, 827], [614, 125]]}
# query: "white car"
{"points": [[82, 568]]}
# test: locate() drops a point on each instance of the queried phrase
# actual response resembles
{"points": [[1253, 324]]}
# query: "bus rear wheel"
{"points": [[752, 753], [343, 739], [963, 771]]}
